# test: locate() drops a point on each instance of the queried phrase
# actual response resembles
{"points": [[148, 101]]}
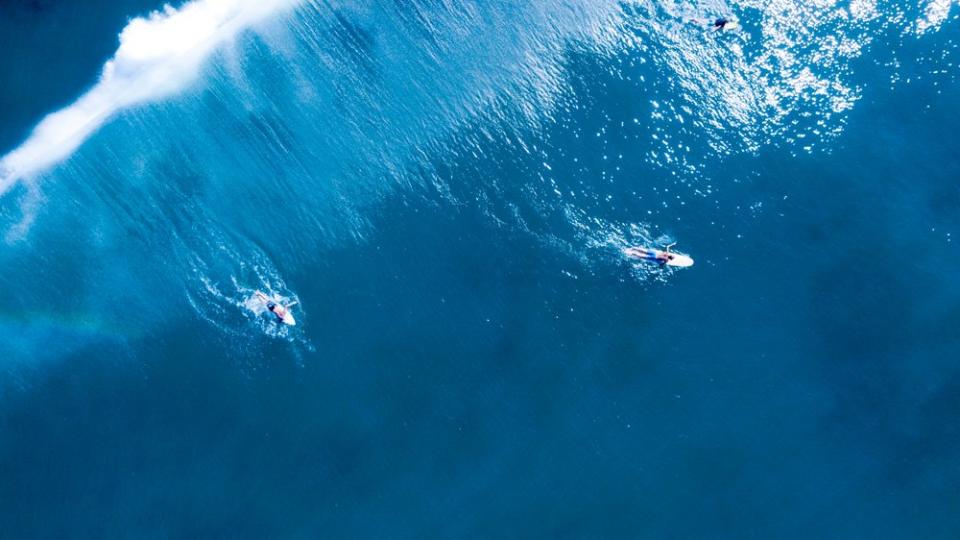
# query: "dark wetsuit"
{"points": [[720, 23]]}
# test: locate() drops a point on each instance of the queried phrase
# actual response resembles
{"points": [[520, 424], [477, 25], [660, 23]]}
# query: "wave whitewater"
{"points": [[158, 56]]}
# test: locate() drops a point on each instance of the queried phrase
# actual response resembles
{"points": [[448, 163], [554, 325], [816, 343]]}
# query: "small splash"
{"points": [[935, 15], [28, 206]]}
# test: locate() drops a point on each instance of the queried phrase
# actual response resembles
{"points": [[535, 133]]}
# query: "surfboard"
{"points": [[649, 254]]}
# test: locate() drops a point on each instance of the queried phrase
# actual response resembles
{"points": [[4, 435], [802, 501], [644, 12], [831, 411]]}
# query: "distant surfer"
{"points": [[722, 23], [279, 311]]}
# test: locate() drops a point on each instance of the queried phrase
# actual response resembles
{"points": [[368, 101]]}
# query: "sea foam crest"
{"points": [[158, 55]]}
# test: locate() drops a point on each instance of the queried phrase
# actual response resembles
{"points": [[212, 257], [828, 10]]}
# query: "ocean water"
{"points": [[445, 189]]}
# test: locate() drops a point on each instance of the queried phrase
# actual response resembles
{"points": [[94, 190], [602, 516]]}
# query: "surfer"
{"points": [[718, 24], [662, 257], [279, 311]]}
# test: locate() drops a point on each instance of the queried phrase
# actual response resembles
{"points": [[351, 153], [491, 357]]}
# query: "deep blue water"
{"points": [[445, 188]]}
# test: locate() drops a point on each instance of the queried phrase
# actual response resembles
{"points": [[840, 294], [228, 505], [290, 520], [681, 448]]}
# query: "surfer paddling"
{"points": [[722, 23], [282, 313], [663, 257]]}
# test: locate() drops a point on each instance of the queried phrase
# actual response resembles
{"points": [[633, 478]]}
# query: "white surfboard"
{"points": [[654, 256]]}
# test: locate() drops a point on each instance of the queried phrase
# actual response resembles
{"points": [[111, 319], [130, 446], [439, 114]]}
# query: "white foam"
{"points": [[159, 55], [935, 15]]}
